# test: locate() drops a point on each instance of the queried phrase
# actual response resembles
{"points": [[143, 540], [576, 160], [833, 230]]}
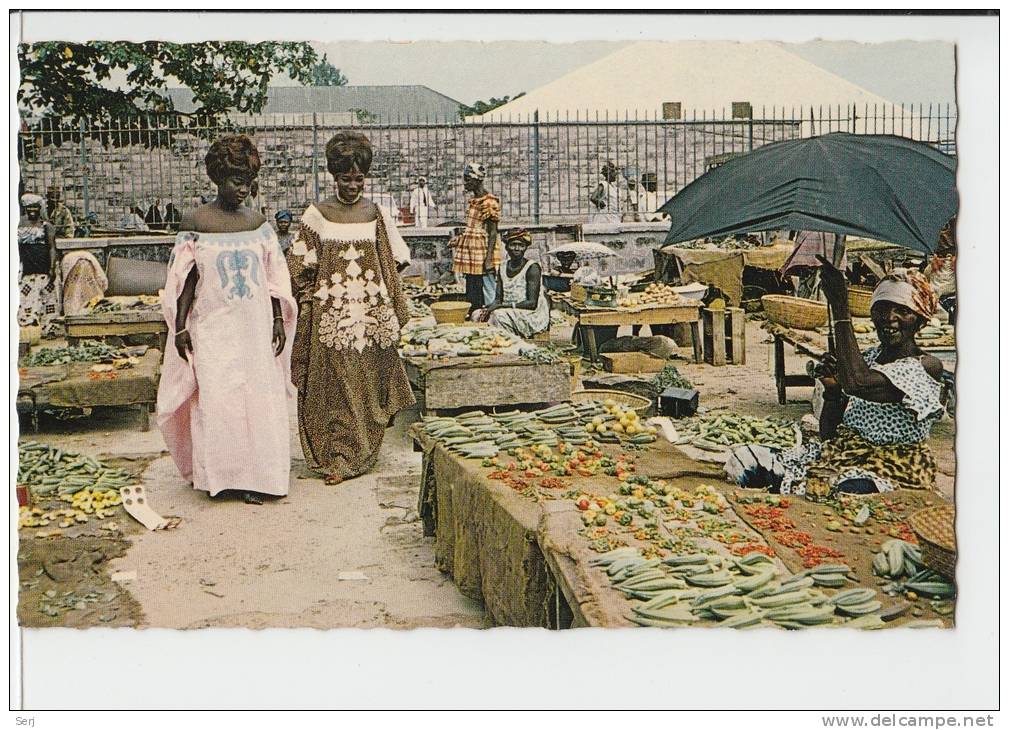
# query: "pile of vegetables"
{"points": [[654, 293], [715, 433], [417, 309], [900, 561], [573, 424], [88, 351], [438, 341], [89, 486], [669, 377], [540, 355], [737, 593]]}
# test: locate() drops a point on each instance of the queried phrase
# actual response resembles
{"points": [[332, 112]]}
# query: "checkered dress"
{"points": [[470, 247]]}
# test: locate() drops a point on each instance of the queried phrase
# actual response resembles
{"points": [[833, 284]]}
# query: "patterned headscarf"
{"points": [[909, 288], [518, 234], [284, 215], [30, 199], [475, 170]]}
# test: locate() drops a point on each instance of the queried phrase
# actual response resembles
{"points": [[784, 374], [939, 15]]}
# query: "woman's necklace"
{"points": [[349, 203]]}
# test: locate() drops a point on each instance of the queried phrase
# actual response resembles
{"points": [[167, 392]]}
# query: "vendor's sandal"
{"points": [[251, 498], [333, 479]]}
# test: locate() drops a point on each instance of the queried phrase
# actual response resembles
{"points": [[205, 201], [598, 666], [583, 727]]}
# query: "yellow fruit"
{"points": [[609, 403], [631, 429], [617, 428], [597, 420], [651, 430]]}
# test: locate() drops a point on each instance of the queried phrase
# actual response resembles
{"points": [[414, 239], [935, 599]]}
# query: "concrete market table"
{"points": [[73, 385], [601, 323]]}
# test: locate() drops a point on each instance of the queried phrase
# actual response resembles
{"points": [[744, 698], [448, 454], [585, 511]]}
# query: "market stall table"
{"points": [[591, 320], [526, 555], [814, 345], [723, 267], [522, 558], [74, 385]]}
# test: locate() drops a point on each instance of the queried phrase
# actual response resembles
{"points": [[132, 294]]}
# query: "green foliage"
{"points": [[363, 116], [482, 107], [74, 81], [324, 73]]}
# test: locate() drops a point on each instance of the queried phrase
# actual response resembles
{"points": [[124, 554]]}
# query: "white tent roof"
{"points": [[702, 75]]}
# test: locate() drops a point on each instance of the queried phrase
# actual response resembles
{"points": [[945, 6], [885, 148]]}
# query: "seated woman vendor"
{"points": [[879, 405], [520, 305]]}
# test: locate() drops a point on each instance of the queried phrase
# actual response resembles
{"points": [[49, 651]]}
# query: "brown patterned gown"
{"points": [[345, 361]]}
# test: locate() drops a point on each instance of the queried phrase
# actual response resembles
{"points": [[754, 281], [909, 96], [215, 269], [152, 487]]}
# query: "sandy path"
{"points": [[279, 564]]}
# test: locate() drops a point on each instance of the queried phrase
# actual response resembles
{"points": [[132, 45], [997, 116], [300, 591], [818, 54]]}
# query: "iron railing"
{"points": [[543, 167]]}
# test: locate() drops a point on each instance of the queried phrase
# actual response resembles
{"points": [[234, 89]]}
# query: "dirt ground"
{"points": [[346, 556]]}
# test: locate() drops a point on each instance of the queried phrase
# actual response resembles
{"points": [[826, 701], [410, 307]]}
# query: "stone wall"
{"points": [[432, 258]]}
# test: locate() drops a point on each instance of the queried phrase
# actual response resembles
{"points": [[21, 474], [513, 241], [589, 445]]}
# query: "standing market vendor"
{"points": [[520, 305], [37, 269], [879, 405], [475, 252]]}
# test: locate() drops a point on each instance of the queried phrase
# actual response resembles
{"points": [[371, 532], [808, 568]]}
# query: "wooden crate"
{"points": [[631, 362], [724, 336], [490, 381]]}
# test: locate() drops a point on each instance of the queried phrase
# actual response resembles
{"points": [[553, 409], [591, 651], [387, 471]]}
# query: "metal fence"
{"points": [[543, 167]]}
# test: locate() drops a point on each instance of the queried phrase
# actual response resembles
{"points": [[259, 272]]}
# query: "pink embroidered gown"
{"points": [[223, 412]]}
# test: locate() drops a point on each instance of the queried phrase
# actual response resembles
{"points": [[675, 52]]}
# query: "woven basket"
{"points": [[800, 314], [640, 404], [859, 301], [578, 293], [449, 312], [936, 534]]}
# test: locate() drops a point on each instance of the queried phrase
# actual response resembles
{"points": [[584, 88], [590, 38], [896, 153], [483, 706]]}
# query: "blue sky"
{"points": [[901, 71]]}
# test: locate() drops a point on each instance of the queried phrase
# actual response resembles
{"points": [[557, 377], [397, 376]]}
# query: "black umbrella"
{"points": [[881, 187]]}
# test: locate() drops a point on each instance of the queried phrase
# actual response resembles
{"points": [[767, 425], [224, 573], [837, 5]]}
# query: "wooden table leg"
{"points": [[779, 368], [695, 337], [145, 417], [589, 338]]}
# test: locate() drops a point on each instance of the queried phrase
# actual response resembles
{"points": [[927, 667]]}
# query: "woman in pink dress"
{"points": [[222, 401]]}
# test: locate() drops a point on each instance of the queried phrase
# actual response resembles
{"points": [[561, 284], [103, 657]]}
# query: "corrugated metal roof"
{"points": [[389, 103]]}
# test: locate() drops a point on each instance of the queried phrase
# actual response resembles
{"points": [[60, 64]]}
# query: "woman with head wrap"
{"points": [[880, 405], [519, 306], [351, 307], [475, 252], [222, 400], [284, 235], [37, 271]]}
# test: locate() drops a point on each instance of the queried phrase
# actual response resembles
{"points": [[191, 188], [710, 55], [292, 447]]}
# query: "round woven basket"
{"points": [[935, 529], [859, 300], [449, 312], [640, 404], [800, 314]]}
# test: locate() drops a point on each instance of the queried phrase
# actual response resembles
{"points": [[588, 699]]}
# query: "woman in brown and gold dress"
{"points": [[345, 362]]}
